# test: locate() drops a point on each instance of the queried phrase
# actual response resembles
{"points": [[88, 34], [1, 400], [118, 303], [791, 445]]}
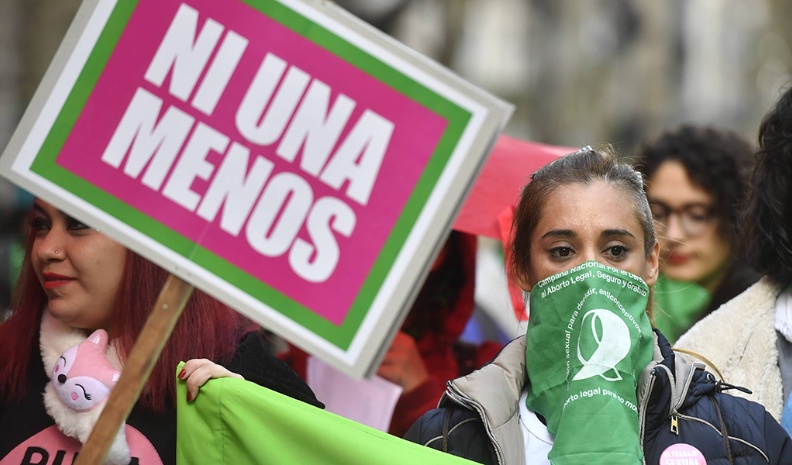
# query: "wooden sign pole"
{"points": [[137, 369]]}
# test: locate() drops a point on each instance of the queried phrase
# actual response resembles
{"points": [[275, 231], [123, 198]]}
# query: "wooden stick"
{"points": [[137, 369]]}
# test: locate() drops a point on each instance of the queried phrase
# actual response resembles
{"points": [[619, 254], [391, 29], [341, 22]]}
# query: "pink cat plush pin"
{"points": [[82, 376], [80, 381]]}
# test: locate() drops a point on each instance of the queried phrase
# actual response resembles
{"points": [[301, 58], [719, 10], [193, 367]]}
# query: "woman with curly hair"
{"points": [[696, 178], [748, 338]]}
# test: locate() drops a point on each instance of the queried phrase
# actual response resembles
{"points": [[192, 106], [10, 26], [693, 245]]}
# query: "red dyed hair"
{"points": [[206, 329]]}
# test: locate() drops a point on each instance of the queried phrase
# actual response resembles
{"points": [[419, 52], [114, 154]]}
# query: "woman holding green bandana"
{"points": [[591, 382]]}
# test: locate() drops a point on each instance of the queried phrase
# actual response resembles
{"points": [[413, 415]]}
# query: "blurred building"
{"points": [[578, 72], [612, 71]]}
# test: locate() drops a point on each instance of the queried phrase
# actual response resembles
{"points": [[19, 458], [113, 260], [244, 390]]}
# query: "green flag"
{"points": [[588, 339], [677, 306], [237, 422]]}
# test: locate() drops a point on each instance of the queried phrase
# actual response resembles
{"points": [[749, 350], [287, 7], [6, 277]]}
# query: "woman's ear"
{"points": [[652, 265]]}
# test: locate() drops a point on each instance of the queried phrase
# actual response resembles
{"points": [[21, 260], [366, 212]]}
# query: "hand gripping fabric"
{"points": [[233, 422]]}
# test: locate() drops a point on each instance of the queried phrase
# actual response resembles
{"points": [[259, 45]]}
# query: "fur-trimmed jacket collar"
{"points": [[494, 392], [740, 340], [679, 403]]}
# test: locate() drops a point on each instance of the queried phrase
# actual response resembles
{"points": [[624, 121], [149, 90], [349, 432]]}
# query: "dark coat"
{"points": [[24, 421], [474, 420]]}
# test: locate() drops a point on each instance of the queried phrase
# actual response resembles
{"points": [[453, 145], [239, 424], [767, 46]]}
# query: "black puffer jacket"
{"points": [[684, 404], [478, 417]]}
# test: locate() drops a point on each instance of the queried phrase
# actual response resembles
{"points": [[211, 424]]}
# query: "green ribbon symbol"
{"points": [[612, 339]]}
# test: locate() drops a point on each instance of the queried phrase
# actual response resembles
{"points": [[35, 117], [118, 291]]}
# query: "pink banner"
{"points": [[254, 143]]}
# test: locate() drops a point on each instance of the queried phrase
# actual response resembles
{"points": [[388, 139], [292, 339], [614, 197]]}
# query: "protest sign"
{"points": [[281, 155]]}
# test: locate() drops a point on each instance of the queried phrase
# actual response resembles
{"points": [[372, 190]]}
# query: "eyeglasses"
{"points": [[693, 217]]}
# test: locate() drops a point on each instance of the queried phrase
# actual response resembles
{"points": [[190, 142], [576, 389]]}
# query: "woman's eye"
{"points": [[659, 215], [561, 252], [617, 251], [38, 223], [75, 225]]}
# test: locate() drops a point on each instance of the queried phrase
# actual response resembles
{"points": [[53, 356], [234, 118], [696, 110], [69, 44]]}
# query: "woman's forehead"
{"points": [[593, 208]]}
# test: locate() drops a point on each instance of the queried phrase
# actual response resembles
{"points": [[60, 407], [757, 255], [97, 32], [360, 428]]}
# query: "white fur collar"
{"points": [[740, 340], [55, 337]]}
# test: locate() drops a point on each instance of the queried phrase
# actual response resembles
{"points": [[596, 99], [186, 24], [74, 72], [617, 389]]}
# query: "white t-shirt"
{"points": [[783, 324], [537, 440], [783, 315]]}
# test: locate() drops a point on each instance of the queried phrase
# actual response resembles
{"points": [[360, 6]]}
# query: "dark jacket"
{"points": [[27, 430], [478, 416]]}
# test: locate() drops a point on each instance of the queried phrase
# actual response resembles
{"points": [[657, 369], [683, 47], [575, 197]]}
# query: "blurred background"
{"points": [[615, 71]]}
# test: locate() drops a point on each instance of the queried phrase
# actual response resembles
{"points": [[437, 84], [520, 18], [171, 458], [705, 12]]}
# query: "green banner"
{"points": [[237, 422], [588, 339]]}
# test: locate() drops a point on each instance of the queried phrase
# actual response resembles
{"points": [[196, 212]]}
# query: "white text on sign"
{"points": [[168, 149]]}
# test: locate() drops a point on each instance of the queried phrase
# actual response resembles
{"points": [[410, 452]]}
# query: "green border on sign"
{"points": [[341, 336]]}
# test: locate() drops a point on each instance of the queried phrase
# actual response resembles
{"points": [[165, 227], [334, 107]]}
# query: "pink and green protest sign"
{"points": [[281, 155]]}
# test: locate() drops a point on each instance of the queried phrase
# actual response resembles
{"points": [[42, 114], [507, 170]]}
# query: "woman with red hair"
{"points": [[77, 280]]}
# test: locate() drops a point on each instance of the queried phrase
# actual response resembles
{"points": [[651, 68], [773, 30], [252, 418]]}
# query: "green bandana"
{"points": [[588, 339], [677, 306]]}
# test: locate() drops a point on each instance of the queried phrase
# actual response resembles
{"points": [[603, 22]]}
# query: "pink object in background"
{"points": [[507, 170], [489, 208], [417, 132]]}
